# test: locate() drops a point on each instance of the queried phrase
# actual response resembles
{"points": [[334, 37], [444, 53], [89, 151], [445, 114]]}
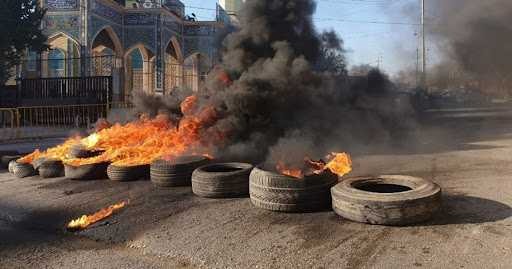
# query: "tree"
{"points": [[20, 30]]}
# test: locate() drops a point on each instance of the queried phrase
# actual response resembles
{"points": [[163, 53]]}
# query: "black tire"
{"points": [[95, 171], [177, 172], [6, 160], [386, 199], [79, 152], [127, 173], [276, 192], [223, 180], [51, 169], [22, 170]]}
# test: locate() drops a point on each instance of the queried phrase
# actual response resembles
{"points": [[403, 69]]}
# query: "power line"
{"points": [[337, 19]]}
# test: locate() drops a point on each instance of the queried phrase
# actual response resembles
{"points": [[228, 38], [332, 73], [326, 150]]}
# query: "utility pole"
{"points": [[423, 47]]}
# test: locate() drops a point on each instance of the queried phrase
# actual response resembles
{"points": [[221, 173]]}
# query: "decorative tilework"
{"points": [[144, 35], [97, 23], [193, 45], [139, 19], [198, 30], [68, 24], [173, 25], [61, 4], [108, 12]]}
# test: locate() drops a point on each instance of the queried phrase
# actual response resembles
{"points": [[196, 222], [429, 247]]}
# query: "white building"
{"points": [[232, 7]]}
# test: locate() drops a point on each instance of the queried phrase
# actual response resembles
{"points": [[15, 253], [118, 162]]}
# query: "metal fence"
{"points": [[88, 89], [51, 121]]}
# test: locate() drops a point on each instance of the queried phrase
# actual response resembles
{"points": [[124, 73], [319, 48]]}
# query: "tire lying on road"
{"points": [[127, 173], [6, 160], [175, 173], [51, 168], [94, 171], [222, 180], [11, 165], [386, 199], [22, 170], [276, 192]]}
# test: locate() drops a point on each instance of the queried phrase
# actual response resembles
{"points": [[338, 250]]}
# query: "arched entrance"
{"points": [[195, 69], [139, 70], [106, 59], [63, 58], [106, 50], [173, 66]]}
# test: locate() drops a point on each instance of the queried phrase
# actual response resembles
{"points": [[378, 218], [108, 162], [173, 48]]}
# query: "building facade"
{"points": [[143, 45]]}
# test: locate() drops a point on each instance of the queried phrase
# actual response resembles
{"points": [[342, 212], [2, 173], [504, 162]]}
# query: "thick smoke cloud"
{"points": [[474, 37], [276, 104]]}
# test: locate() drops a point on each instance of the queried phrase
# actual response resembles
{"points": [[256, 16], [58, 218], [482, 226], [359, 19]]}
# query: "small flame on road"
{"points": [[87, 220]]}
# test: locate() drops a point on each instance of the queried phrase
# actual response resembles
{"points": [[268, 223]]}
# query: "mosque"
{"points": [[140, 45]]}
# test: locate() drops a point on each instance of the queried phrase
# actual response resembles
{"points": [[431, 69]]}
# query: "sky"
{"points": [[376, 32]]}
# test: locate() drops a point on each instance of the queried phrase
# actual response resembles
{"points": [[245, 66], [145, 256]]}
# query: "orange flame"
{"points": [[59, 152], [287, 171], [87, 220], [145, 140], [339, 164]]}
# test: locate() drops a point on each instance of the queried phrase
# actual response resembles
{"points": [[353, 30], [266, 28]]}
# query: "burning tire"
{"points": [[386, 200], [276, 192], [37, 163], [22, 170], [7, 159], [177, 172], [51, 169], [94, 171], [127, 173], [82, 153], [225, 180]]}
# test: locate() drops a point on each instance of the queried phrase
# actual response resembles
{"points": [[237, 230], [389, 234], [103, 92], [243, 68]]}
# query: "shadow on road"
{"points": [[461, 209]]}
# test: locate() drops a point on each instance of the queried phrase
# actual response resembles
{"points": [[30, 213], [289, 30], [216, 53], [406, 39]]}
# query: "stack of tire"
{"points": [[223, 180], [277, 192], [177, 172], [127, 173]]}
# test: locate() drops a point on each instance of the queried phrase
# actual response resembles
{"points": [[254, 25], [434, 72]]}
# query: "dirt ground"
{"points": [[468, 152]]}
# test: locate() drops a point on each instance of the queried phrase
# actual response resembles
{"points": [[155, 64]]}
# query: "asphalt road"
{"points": [[470, 157]]}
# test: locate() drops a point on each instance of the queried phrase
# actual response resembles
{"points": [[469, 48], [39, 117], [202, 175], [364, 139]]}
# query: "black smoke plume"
{"points": [[281, 102], [474, 38]]}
